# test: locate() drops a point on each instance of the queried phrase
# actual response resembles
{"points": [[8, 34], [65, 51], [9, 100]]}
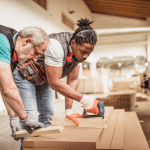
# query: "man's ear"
{"points": [[73, 43], [26, 41]]}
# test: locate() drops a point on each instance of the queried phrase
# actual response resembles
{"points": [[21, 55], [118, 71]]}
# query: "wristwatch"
{"points": [[13, 116]]}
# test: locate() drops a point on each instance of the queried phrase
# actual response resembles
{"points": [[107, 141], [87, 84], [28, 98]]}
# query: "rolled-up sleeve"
{"points": [[5, 54]]}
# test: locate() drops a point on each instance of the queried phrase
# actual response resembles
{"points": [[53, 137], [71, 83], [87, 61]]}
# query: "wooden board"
{"points": [[40, 131], [92, 122], [139, 137], [118, 138], [123, 132], [76, 138], [106, 139], [129, 133]]}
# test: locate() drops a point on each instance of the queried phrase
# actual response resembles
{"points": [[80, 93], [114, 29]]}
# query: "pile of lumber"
{"points": [[141, 97], [124, 83], [123, 132], [120, 100]]}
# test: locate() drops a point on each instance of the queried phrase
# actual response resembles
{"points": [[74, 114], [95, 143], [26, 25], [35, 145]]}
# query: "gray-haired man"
{"points": [[18, 47]]}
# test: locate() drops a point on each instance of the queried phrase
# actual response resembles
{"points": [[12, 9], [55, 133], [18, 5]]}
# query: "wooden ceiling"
{"points": [[128, 8]]}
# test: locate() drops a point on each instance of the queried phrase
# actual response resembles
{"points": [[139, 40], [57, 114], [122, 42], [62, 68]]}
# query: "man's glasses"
{"points": [[36, 52]]}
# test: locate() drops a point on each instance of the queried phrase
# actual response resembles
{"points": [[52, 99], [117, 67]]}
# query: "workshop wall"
{"points": [[21, 13]]}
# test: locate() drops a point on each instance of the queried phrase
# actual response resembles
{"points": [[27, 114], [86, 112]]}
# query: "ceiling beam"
{"points": [[120, 13], [141, 10], [127, 8], [121, 2]]}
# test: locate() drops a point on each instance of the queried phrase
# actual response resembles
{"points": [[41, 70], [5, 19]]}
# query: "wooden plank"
{"points": [[122, 3], [40, 131], [129, 133], [76, 138], [118, 138], [108, 112], [139, 137], [83, 122], [106, 139], [89, 122]]}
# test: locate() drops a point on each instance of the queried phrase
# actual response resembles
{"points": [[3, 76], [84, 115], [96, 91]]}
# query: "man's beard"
{"points": [[22, 55]]}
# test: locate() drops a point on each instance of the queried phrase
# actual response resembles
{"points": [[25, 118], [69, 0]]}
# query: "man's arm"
{"points": [[54, 75], [10, 91], [72, 81], [9, 110], [12, 97]]}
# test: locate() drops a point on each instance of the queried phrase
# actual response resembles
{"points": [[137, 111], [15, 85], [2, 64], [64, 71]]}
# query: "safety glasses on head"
{"points": [[86, 36], [85, 33]]}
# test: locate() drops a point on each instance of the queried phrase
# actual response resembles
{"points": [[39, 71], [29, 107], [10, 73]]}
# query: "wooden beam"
{"points": [[120, 7], [129, 133], [124, 8], [118, 138], [121, 2], [139, 137], [40, 131], [83, 122], [85, 139], [89, 122], [120, 13], [106, 139]]}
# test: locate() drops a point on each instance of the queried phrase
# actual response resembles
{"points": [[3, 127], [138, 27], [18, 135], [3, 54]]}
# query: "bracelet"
{"points": [[24, 118], [13, 116]]}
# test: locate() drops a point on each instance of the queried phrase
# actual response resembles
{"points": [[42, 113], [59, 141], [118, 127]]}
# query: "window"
{"points": [[67, 21]]}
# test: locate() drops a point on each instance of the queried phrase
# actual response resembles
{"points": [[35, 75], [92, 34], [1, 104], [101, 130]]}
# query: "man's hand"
{"points": [[70, 114], [15, 126], [90, 104], [28, 124]]}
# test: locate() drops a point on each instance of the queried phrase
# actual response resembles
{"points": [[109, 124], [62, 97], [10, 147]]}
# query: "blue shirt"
{"points": [[5, 52]]}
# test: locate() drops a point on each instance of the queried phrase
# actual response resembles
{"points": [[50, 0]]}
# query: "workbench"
{"points": [[123, 132]]}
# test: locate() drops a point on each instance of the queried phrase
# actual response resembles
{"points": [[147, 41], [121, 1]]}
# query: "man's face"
{"points": [[83, 51], [28, 51]]}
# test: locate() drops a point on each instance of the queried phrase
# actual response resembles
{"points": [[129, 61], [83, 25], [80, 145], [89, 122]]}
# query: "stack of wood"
{"points": [[123, 132], [141, 97], [120, 100], [124, 83]]}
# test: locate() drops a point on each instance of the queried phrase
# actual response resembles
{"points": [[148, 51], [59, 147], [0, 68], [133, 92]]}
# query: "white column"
{"points": [[93, 69]]}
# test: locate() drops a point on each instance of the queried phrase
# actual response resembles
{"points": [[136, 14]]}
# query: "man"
{"points": [[65, 52], [18, 46]]}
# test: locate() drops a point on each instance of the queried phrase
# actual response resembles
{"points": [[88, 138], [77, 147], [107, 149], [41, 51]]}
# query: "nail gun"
{"points": [[101, 108]]}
